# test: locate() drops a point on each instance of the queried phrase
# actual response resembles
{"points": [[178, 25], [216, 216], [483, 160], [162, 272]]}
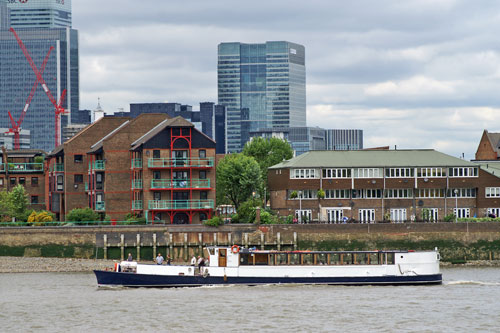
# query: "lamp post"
{"points": [[456, 204], [300, 206]]}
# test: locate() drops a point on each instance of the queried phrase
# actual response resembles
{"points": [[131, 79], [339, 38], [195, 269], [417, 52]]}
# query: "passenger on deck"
{"points": [[193, 261], [168, 260], [130, 257], [159, 259]]}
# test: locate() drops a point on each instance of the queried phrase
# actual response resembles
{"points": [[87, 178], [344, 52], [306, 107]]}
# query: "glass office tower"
{"points": [[40, 13], [262, 86], [17, 78]]}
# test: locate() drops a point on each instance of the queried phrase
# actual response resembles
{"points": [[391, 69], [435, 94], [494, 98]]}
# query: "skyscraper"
{"points": [[40, 13], [61, 72], [262, 86]]}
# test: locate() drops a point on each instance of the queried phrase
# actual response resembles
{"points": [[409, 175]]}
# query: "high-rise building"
{"points": [[40, 24], [7, 139], [40, 13], [262, 86], [4, 15]]}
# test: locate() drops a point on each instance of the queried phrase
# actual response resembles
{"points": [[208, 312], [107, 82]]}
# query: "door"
{"points": [[366, 215], [335, 215], [222, 257]]}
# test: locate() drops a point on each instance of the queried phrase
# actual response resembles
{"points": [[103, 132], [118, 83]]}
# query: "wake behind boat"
{"points": [[235, 265]]}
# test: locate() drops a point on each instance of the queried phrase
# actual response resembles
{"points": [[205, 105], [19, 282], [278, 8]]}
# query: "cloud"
{"points": [[415, 73]]}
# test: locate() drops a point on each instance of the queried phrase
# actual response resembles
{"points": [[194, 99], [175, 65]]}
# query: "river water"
{"points": [[468, 300]]}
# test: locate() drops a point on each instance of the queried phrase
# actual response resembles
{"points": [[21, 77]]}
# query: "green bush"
{"points": [[449, 218], [246, 211], [135, 219], [213, 222], [82, 214]]}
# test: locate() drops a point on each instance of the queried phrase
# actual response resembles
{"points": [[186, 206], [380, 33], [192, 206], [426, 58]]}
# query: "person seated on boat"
{"points": [[159, 259], [130, 257]]}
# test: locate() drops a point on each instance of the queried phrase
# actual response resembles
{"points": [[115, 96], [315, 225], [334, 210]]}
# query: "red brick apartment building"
{"points": [[152, 165], [24, 167], [68, 167], [382, 185], [173, 173], [489, 147]]}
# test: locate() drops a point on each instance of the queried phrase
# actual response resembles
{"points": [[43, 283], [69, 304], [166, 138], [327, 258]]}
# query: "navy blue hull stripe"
{"points": [[145, 280]]}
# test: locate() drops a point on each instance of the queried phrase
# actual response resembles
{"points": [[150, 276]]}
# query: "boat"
{"points": [[244, 266]]}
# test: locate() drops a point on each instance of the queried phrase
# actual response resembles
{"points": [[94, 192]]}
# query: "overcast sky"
{"points": [[416, 74]]}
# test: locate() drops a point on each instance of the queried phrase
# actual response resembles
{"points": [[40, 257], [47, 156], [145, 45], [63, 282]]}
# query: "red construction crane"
{"points": [[16, 127], [58, 106]]}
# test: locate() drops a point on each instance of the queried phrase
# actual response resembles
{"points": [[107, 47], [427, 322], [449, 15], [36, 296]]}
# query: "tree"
{"points": [[19, 202], [238, 176], [268, 152], [5, 206]]}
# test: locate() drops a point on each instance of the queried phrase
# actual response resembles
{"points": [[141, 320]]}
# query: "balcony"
{"points": [[22, 167], [100, 206], [180, 183], [162, 163], [57, 167], [137, 184], [136, 163], [137, 205], [180, 204], [99, 165]]}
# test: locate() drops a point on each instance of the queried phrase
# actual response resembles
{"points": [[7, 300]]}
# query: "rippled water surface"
{"points": [[468, 300]]}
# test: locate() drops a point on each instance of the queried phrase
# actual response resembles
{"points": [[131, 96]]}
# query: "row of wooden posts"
{"points": [[170, 244]]}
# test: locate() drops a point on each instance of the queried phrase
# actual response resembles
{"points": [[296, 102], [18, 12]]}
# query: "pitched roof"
{"points": [[492, 167], [373, 158], [494, 140], [96, 146], [174, 122]]}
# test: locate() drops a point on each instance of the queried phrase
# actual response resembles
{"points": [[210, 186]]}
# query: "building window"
{"points": [[13, 181], [34, 199], [156, 174], [203, 174], [157, 195], [430, 193], [430, 214], [367, 173], [399, 173], [303, 173], [462, 193], [366, 215], [202, 153], [78, 158], [203, 195], [398, 215], [60, 182], [463, 172], [203, 216], [304, 194], [303, 215], [78, 179], [336, 173], [156, 153], [461, 213], [430, 172], [493, 212], [492, 192], [22, 181], [367, 194], [398, 193], [34, 181], [337, 194]]}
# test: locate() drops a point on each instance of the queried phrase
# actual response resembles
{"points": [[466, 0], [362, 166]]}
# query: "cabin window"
{"points": [[211, 251], [321, 259], [307, 259], [373, 259], [347, 259], [282, 259], [260, 258], [295, 259], [390, 258], [334, 259], [272, 260], [244, 259]]}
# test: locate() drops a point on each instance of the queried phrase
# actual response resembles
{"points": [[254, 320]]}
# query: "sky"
{"points": [[411, 74]]}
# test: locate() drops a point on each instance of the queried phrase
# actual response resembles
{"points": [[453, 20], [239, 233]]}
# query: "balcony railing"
{"points": [[137, 184], [179, 183], [180, 204], [100, 206], [22, 167], [58, 167], [136, 163], [137, 205], [181, 162], [99, 165]]}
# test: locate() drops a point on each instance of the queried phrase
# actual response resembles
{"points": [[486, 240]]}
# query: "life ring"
{"points": [[235, 249]]}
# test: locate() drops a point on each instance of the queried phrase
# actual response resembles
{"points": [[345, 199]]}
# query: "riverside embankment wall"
{"points": [[456, 242]]}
